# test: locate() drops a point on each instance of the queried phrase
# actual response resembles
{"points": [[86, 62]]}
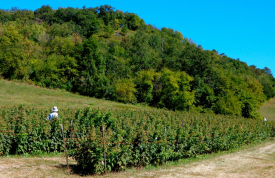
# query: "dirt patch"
{"points": [[253, 162], [33, 167]]}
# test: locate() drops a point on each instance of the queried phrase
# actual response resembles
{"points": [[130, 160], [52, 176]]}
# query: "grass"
{"points": [[267, 110], [15, 93]]}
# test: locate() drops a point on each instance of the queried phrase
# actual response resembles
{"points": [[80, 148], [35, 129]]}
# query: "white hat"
{"points": [[54, 109]]}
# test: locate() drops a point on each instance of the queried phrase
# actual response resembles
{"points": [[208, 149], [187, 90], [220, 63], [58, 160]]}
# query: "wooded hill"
{"points": [[106, 53]]}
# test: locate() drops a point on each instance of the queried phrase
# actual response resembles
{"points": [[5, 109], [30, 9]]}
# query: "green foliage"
{"points": [[125, 90], [228, 104], [124, 29], [144, 85], [5, 16], [109, 31], [58, 30], [174, 90], [91, 51], [131, 138], [134, 21], [45, 13], [92, 80]]}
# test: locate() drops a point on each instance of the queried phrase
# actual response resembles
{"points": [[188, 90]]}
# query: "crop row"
{"points": [[131, 138]]}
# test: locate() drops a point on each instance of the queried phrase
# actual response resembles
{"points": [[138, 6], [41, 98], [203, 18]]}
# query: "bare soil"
{"points": [[253, 162]]}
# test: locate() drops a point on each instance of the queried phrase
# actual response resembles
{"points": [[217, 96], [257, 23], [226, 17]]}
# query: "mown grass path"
{"points": [[254, 162]]}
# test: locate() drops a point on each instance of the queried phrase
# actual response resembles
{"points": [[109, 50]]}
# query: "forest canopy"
{"points": [[107, 53]]}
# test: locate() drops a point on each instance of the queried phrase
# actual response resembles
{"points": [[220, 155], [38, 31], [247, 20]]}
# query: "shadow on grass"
{"points": [[75, 169]]}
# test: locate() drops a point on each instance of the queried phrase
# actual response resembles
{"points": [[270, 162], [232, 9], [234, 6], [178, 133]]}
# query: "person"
{"points": [[265, 121], [53, 114]]}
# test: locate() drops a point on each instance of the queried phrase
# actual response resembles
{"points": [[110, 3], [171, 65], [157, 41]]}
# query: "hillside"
{"points": [[267, 110], [16, 93], [105, 53]]}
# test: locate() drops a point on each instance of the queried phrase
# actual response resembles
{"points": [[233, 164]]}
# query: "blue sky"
{"points": [[241, 29]]}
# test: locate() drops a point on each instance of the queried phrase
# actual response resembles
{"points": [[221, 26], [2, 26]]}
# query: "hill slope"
{"points": [[106, 53], [267, 110], [14, 93]]}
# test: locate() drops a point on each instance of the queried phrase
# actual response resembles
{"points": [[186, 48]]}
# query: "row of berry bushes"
{"points": [[131, 137]]}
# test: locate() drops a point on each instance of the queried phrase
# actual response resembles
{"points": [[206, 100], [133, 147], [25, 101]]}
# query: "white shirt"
{"points": [[52, 115]]}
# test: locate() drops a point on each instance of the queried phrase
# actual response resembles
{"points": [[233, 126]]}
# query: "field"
{"points": [[268, 110], [137, 136], [13, 93]]}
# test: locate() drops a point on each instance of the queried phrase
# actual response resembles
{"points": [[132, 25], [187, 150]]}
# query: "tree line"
{"points": [[107, 53]]}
